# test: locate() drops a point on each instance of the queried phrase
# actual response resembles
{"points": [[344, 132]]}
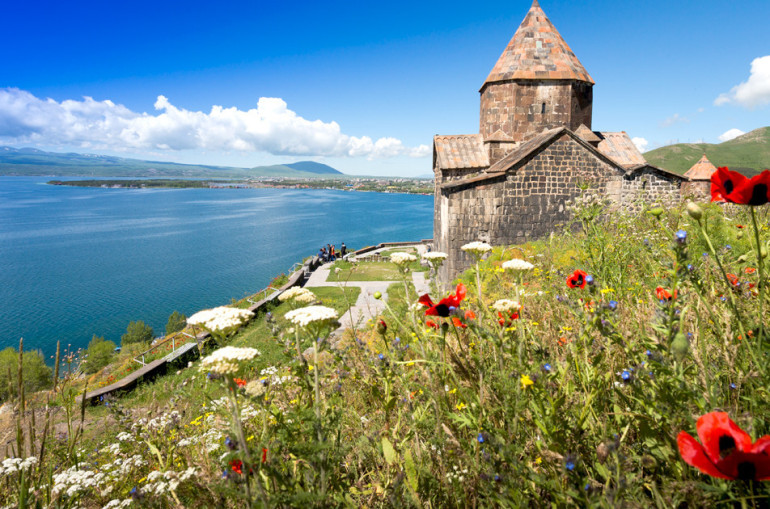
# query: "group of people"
{"points": [[329, 253]]}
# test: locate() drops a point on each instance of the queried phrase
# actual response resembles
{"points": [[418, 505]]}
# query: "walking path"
{"points": [[366, 306]]}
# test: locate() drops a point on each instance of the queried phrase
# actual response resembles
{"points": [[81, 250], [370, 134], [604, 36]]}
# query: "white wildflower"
{"points": [[228, 360], [435, 258], [506, 305], [255, 388], [311, 315], [221, 318], [478, 249], [298, 294], [517, 264], [125, 437], [402, 259]]}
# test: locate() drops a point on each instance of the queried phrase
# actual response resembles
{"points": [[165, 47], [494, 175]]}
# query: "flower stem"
{"points": [[761, 284]]}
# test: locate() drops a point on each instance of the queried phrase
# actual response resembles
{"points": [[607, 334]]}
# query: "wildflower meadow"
{"points": [[622, 362]]}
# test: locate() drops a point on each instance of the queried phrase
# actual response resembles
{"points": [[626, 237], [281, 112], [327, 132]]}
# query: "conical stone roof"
{"points": [[537, 52], [702, 170]]}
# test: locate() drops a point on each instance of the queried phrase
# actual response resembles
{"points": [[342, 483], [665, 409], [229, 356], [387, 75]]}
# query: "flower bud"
{"points": [[695, 211], [680, 346], [657, 211], [378, 295]]}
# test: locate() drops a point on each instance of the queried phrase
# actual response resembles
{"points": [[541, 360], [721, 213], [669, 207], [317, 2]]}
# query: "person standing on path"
{"points": [[343, 250]]}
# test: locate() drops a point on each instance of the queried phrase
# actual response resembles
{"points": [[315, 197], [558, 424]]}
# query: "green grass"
{"points": [[748, 154], [369, 271]]}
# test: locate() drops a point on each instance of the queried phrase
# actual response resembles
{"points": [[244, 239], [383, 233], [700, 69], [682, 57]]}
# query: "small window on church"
{"points": [[542, 109]]}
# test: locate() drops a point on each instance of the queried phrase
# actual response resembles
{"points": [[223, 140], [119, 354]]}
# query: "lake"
{"points": [[81, 261]]}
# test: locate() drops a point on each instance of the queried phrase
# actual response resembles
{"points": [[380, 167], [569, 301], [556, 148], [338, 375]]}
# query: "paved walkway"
{"points": [[366, 306]]}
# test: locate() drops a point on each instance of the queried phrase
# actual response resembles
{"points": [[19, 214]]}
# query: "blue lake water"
{"points": [[81, 261]]}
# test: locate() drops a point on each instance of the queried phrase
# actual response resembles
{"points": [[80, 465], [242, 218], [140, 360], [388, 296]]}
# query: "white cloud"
{"points": [[755, 91], [270, 127], [640, 143], [676, 118], [731, 134]]}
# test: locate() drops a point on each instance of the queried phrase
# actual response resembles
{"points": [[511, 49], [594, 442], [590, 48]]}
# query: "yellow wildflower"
{"points": [[460, 406], [526, 381]]}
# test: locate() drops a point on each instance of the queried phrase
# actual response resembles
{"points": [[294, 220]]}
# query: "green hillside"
{"points": [[749, 153], [29, 161]]}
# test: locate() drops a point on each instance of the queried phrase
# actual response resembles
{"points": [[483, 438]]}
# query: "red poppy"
{"points": [[754, 191], [664, 294], [240, 382], [470, 315], [431, 323], [444, 305], [733, 279], [458, 323], [264, 455], [237, 466], [577, 279], [739, 226], [724, 182], [504, 321], [750, 270], [725, 450]]}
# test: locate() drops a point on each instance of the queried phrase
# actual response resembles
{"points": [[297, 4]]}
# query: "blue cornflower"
{"points": [[589, 280], [480, 438], [728, 247], [681, 236], [733, 386], [648, 353], [646, 242], [382, 357], [626, 375], [690, 267], [497, 478], [613, 305], [569, 465], [705, 255], [547, 367]]}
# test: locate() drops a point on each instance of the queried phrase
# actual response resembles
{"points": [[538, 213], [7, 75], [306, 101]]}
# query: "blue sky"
{"points": [[362, 86]]}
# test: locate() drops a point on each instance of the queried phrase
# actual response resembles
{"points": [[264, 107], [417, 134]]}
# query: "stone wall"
{"points": [[520, 109], [526, 203], [646, 187], [697, 189]]}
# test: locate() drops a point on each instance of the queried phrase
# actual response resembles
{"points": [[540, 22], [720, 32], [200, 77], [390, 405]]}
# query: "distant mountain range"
{"points": [[30, 161], [748, 153]]}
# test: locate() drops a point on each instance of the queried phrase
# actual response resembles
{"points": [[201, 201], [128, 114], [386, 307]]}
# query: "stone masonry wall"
{"points": [[522, 205], [525, 108], [648, 187]]}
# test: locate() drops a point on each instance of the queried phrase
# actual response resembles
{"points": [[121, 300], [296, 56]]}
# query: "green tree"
{"points": [[137, 332], [176, 322], [98, 355], [36, 374]]}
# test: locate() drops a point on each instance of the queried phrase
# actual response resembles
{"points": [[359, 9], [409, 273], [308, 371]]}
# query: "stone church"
{"points": [[509, 183]]}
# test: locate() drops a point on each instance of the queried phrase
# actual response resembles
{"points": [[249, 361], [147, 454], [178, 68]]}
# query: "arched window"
{"points": [[542, 109]]}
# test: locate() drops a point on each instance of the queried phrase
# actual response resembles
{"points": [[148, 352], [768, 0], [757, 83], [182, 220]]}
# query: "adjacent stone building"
{"points": [[534, 150], [699, 184]]}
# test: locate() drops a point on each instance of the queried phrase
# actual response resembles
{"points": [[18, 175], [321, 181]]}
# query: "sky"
{"points": [[361, 86]]}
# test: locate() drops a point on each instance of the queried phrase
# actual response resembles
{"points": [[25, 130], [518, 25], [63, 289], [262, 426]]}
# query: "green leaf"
{"points": [[387, 449], [411, 472]]}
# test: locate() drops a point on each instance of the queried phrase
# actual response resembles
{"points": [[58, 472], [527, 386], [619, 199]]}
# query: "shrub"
{"points": [[99, 354], [176, 322], [36, 375], [137, 332]]}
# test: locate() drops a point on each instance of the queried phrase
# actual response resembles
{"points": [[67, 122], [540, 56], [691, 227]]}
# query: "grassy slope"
{"points": [[749, 153]]}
